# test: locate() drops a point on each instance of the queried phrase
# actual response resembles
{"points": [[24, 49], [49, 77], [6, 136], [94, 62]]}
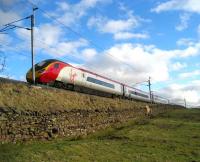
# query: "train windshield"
{"points": [[43, 64]]}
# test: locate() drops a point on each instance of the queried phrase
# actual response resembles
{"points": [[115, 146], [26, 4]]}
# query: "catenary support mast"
{"points": [[32, 43], [150, 94]]}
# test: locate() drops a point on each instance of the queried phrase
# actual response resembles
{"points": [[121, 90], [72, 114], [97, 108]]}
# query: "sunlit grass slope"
{"points": [[23, 97]]}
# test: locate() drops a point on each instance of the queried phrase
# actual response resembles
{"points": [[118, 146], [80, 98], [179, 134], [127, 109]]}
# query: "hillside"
{"points": [[26, 97]]}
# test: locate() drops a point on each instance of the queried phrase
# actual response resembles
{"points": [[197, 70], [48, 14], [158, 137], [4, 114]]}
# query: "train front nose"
{"points": [[29, 76]]}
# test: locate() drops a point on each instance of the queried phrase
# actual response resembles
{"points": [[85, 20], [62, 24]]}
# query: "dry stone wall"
{"points": [[18, 125]]}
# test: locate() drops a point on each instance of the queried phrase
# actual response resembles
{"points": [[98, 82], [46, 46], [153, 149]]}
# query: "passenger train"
{"points": [[63, 75]]}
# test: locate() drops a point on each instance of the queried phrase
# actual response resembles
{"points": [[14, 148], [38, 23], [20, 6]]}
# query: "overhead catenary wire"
{"points": [[43, 45], [7, 27], [12, 8], [16, 21], [10, 25], [47, 46], [15, 49]]}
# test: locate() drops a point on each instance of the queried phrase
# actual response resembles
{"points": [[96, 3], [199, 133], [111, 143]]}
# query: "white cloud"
{"points": [[179, 92], [187, 6], [192, 96], [48, 33], [120, 28], [49, 39], [7, 17], [190, 74], [132, 63], [113, 26], [71, 13], [88, 54], [128, 35], [66, 48], [178, 66], [106, 25], [185, 42], [191, 51], [184, 18], [183, 5], [5, 39]]}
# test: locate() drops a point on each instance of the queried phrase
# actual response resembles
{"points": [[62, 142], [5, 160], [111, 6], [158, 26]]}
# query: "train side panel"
{"points": [[71, 75], [97, 82], [158, 99], [136, 94]]}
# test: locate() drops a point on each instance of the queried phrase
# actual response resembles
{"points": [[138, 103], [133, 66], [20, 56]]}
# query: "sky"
{"points": [[128, 41]]}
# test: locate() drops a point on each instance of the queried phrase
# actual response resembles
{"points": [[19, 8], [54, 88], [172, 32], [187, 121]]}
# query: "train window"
{"points": [[138, 94], [41, 63], [56, 66], [96, 81]]}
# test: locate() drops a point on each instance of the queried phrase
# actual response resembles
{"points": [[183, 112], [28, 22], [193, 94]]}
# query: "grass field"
{"points": [[170, 137]]}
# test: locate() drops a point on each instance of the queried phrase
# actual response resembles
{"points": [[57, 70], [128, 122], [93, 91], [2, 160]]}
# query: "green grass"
{"points": [[170, 137]]}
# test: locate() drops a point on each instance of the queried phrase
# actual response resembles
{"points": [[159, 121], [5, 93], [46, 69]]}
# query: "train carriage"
{"points": [[158, 99], [83, 78]]}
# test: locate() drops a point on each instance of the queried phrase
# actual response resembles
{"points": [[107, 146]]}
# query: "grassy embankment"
{"points": [[173, 136], [26, 97]]}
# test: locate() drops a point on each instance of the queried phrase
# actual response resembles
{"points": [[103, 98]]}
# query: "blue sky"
{"points": [[124, 40]]}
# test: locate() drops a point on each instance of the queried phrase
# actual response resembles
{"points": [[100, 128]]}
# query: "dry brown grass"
{"points": [[22, 96]]}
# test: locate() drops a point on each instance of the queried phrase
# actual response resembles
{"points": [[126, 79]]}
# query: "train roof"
{"points": [[50, 61]]}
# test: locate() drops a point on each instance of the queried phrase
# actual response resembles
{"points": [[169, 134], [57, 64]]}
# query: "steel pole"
{"points": [[149, 84], [32, 43], [185, 103], [32, 49]]}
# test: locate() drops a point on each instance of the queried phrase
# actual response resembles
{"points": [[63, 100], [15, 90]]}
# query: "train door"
{"points": [[83, 79]]}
